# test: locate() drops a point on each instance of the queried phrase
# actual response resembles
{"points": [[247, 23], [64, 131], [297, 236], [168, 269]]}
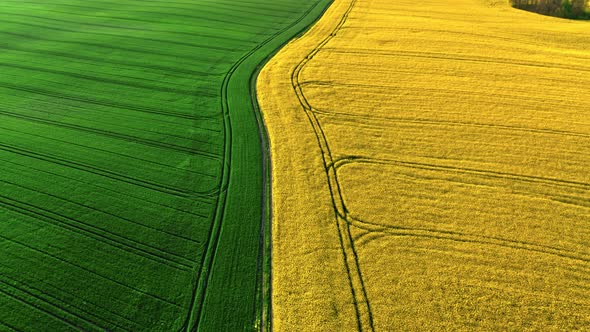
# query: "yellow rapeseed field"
{"points": [[431, 169]]}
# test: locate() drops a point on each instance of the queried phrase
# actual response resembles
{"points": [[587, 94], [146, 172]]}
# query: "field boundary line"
{"points": [[204, 274], [265, 319]]}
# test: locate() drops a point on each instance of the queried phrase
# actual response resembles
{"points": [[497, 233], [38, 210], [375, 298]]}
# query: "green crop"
{"points": [[133, 191]]}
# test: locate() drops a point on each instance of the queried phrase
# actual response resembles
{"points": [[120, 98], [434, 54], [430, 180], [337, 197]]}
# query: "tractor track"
{"points": [[362, 306]]}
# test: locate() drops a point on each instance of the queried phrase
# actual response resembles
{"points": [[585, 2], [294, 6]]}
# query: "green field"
{"points": [[133, 192]]}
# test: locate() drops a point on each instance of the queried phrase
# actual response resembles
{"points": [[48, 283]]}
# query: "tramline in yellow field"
{"points": [[430, 169]]}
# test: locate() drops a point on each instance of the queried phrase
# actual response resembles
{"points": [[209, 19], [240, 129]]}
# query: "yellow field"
{"points": [[431, 169]]}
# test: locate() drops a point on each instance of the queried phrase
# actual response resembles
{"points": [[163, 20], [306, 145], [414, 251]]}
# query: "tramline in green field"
{"points": [[132, 163]]}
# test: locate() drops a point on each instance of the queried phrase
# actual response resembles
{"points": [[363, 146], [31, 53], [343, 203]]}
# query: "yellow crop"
{"points": [[431, 169]]}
